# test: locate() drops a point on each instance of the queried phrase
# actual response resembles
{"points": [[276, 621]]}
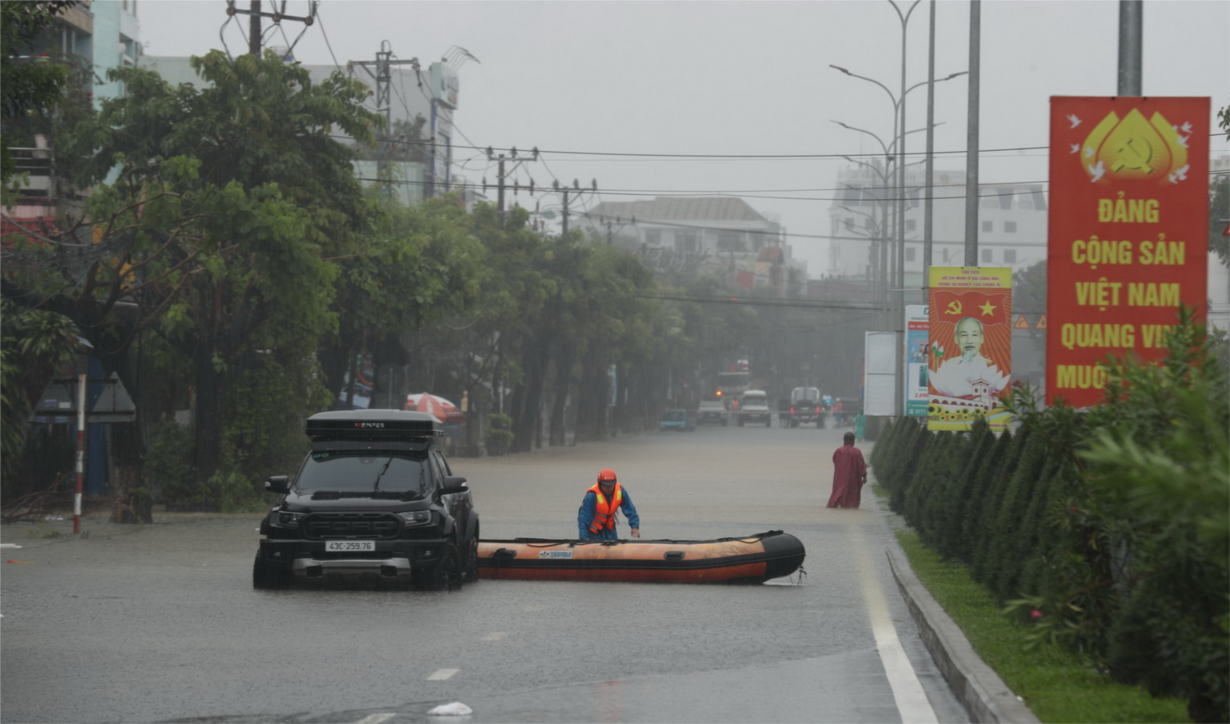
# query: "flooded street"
{"points": [[160, 623]]}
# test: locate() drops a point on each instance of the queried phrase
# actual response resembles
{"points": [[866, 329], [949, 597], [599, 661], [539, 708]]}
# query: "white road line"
{"points": [[442, 674], [907, 689], [377, 718], [496, 636]]}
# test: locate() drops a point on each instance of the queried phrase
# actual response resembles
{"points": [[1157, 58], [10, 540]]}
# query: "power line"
{"points": [[327, 43], [752, 301], [786, 156]]}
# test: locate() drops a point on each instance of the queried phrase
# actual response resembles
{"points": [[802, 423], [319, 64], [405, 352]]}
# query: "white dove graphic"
{"points": [[1187, 127], [1088, 151], [1075, 121], [1098, 171], [1180, 174], [1183, 141], [1076, 147]]}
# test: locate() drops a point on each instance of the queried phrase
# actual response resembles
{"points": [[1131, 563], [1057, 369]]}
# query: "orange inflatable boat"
{"points": [[753, 559]]}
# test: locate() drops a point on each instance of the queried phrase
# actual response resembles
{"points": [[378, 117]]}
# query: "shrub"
{"points": [[498, 435], [948, 517], [168, 466]]}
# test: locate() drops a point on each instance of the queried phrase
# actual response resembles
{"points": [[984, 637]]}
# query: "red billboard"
{"points": [[1127, 236]]}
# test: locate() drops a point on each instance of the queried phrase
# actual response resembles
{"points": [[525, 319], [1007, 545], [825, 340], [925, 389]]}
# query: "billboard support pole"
{"points": [[971, 143], [1131, 37]]}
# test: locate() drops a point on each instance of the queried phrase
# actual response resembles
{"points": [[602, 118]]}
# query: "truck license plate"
{"points": [[349, 546]]}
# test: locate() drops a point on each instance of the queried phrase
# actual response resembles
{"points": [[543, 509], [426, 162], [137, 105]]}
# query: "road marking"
{"points": [[496, 636], [907, 690], [442, 674], [377, 718]]}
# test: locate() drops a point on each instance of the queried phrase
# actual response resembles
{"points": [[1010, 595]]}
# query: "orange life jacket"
{"points": [[604, 510]]}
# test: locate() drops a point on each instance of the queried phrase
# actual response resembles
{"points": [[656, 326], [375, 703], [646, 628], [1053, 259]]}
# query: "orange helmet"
{"points": [[606, 475]]}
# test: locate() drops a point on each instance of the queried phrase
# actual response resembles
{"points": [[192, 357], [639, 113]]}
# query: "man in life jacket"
{"points": [[596, 518]]}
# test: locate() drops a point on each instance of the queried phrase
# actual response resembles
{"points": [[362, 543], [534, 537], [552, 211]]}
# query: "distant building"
{"points": [[99, 35], [117, 43], [695, 234], [1012, 221], [431, 97]]}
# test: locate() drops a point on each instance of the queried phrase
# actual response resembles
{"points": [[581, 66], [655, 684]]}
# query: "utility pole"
{"points": [[254, 29], [255, 14], [610, 226], [502, 177], [383, 75], [576, 191]]}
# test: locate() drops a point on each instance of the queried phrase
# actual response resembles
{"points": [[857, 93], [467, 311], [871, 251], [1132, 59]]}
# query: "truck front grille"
{"points": [[332, 526]]}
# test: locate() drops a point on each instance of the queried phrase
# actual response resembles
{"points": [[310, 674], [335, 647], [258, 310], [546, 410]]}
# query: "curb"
{"points": [[979, 689]]}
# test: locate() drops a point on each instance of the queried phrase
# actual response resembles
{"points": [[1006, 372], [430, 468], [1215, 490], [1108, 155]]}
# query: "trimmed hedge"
{"points": [[1107, 530]]}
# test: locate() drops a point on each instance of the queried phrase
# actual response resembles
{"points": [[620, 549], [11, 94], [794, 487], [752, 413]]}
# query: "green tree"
{"points": [[231, 199], [420, 267], [33, 346], [1159, 476]]}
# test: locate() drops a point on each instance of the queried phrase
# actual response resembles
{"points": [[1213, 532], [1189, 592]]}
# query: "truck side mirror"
{"points": [[279, 484], [453, 484]]}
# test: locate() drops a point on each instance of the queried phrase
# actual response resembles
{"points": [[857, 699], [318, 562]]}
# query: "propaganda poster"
{"points": [[970, 365]]}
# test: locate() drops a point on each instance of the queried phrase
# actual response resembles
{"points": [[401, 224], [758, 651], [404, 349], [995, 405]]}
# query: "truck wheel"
{"points": [[471, 564], [268, 576], [446, 575]]}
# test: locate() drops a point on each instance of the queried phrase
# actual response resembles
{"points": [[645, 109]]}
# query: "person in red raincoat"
{"points": [[849, 475]]}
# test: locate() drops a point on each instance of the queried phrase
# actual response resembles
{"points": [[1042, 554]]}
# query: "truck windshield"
{"points": [[360, 471]]}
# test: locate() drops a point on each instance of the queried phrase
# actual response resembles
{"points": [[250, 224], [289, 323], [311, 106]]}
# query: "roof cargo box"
{"points": [[373, 424]]}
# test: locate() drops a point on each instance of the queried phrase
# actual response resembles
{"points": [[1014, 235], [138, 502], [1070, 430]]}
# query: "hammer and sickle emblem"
{"points": [[954, 307]]}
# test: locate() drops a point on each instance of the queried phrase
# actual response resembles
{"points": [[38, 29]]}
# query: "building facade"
{"points": [[1012, 221], [695, 234]]}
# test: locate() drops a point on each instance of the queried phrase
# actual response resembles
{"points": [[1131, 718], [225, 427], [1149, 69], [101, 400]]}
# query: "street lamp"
{"points": [[883, 275], [894, 154], [897, 149]]}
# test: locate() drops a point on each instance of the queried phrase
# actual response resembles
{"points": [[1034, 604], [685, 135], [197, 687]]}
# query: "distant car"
{"points": [[677, 420], [711, 411], [754, 407]]}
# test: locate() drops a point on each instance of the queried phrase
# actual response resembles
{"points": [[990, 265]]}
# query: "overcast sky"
{"points": [[728, 78]]}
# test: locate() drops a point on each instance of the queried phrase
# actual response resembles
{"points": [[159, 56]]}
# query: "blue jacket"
{"points": [[585, 516]]}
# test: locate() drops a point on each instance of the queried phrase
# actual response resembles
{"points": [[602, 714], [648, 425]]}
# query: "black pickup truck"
{"points": [[374, 499]]}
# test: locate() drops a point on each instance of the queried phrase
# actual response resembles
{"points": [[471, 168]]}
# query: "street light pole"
{"points": [[894, 153], [971, 142], [898, 318], [930, 172]]}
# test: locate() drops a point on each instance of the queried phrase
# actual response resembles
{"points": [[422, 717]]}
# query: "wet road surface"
{"points": [[160, 623]]}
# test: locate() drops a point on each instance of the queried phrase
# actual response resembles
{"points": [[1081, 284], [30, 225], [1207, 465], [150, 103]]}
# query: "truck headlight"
{"points": [[286, 518], [416, 517]]}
